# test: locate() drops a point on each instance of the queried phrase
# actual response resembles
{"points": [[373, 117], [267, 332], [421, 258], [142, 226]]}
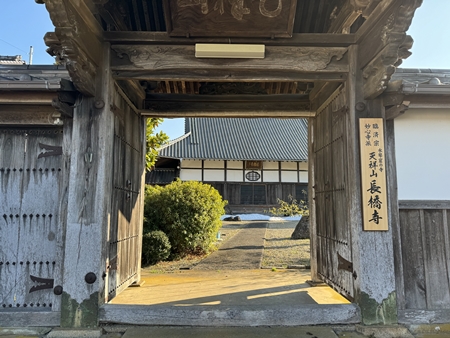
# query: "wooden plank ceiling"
{"points": [[232, 88], [311, 16]]}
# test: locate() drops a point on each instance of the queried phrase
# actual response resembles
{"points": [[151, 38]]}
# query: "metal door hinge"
{"points": [[43, 283], [344, 264], [49, 150]]}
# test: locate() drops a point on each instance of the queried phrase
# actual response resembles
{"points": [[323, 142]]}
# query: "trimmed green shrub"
{"points": [[151, 209], [155, 247], [187, 212]]}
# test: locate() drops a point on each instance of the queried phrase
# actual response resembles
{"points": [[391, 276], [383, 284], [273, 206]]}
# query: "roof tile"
{"points": [[267, 139]]}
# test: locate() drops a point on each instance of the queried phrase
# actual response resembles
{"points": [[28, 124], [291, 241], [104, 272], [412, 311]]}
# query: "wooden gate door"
{"points": [[334, 252], [32, 185], [125, 236]]}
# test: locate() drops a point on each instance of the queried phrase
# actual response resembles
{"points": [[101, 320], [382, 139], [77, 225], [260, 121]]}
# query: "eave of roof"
{"points": [[26, 77], [423, 81], [241, 139]]}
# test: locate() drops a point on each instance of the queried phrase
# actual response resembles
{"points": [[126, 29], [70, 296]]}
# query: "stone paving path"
{"points": [[243, 251]]}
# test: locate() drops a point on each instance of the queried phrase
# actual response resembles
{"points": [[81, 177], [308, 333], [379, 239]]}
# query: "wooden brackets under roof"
{"points": [[141, 53]]}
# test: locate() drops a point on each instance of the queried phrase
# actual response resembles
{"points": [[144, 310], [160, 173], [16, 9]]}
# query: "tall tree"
{"points": [[154, 141]]}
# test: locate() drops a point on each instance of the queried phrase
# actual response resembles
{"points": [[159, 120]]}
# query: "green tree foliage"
{"points": [[153, 141], [187, 212]]}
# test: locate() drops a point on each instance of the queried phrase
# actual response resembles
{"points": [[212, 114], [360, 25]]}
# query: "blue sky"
{"points": [[23, 23]]}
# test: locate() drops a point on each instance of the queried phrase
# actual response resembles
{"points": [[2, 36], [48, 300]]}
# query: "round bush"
{"points": [[188, 212], [155, 247], [151, 209]]}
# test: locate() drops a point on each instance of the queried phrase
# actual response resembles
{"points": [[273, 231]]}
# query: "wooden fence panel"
{"points": [[436, 257], [412, 254], [425, 254]]}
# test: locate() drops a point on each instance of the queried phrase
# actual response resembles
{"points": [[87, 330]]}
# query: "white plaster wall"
{"points": [[214, 164], [235, 164], [191, 174], [271, 176], [422, 142], [289, 176], [191, 164], [270, 165], [235, 176], [303, 177], [214, 175], [289, 165]]}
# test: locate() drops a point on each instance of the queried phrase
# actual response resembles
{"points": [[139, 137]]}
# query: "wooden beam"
{"points": [[12, 115], [27, 97], [322, 93], [181, 105], [178, 63], [223, 75], [134, 91], [161, 38], [392, 98], [395, 111], [395, 103], [63, 108], [424, 204], [226, 113]]}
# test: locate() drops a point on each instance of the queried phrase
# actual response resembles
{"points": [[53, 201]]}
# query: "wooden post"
{"points": [[393, 211], [141, 201], [373, 256], [312, 201], [89, 205]]}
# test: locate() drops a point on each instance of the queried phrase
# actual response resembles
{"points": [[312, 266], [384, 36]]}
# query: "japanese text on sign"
{"points": [[373, 176]]}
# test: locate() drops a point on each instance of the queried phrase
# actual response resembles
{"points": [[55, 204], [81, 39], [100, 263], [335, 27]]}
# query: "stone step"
{"points": [[224, 316]]}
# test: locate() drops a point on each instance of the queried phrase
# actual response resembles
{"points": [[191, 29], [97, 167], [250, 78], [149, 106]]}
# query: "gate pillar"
{"points": [[372, 251], [89, 205], [357, 263]]}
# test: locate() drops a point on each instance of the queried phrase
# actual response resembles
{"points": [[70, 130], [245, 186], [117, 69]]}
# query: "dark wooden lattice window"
{"points": [[253, 194], [246, 194], [259, 194]]}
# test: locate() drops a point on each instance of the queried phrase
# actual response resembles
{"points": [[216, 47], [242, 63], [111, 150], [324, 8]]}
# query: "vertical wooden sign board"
{"points": [[373, 175]]}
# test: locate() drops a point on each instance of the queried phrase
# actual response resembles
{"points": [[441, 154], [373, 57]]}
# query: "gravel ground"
{"points": [[228, 230], [280, 251]]}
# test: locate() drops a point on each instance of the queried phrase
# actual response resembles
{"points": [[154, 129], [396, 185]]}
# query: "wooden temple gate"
{"points": [[326, 60], [333, 231], [125, 231], [32, 204]]}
